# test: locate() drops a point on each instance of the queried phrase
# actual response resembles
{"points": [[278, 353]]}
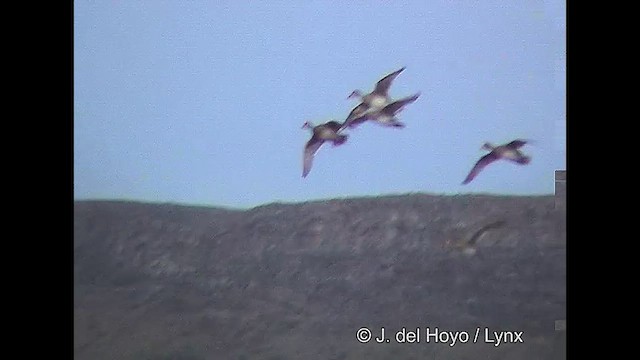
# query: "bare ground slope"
{"points": [[296, 281]]}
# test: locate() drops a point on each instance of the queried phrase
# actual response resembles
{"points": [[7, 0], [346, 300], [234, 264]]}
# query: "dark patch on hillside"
{"points": [[296, 281]]}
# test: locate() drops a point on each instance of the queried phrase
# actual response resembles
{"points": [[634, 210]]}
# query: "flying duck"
{"points": [[379, 97], [328, 131], [468, 246], [510, 151], [385, 116]]}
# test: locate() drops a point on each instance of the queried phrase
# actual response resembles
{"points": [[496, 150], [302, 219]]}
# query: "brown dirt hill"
{"points": [[296, 281]]}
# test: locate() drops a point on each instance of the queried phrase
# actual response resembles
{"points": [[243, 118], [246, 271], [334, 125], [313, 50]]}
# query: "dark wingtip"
{"points": [[498, 223]]}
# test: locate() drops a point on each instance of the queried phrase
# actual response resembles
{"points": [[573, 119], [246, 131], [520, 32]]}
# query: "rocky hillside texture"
{"points": [[297, 281]]}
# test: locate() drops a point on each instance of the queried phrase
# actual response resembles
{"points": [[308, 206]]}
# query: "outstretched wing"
{"points": [[481, 164], [397, 105], [383, 85], [516, 144], [356, 117], [333, 125], [478, 234], [310, 150]]}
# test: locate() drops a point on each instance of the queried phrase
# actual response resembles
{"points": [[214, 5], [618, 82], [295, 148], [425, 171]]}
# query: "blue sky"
{"points": [[202, 102]]}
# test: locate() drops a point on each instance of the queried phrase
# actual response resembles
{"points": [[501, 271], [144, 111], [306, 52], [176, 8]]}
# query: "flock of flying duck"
{"points": [[379, 107]]}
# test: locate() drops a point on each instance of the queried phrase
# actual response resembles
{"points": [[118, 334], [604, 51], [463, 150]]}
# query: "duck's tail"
{"points": [[523, 160], [340, 139]]}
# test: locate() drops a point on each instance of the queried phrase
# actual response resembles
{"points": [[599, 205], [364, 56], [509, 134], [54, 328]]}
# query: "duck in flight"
{"points": [[379, 97], [322, 133], [469, 246], [385, 116], [510, 151]]}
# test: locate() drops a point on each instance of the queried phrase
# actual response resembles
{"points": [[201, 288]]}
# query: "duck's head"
{"points": [[450, 243], [487, 146], [307, 125], [355, 93]]}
